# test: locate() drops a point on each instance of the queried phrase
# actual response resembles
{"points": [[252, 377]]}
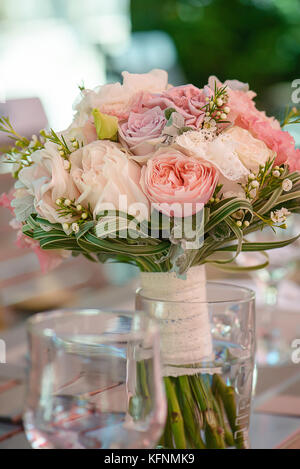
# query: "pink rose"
{"points": [[142, 131], [243, 113], [177, 184], [187, 100], [281, 142]]}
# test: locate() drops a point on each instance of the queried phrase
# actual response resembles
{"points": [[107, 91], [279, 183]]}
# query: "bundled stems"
{"points": [[201, 414]]}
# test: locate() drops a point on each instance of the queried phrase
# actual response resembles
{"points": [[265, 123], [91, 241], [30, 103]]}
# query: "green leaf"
{"points": [[169, 112], [271, 202], [253, 247], [106, 126], [125, 248], [238, 268], [220, 232], [226, 208]]}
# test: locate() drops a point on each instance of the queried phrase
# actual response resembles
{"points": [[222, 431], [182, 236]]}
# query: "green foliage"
{"points": [[59, 141], [19, 155], [292, 116]]}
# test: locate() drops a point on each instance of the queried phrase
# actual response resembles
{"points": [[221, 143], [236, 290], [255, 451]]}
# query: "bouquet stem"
{"points": [[201, 414]]}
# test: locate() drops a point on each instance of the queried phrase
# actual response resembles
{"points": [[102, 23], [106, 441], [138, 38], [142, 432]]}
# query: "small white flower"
{"points": [[210, 124], [34, 141], [280, 216], [75, 227], [287, 185], [66, 226], [276, 173], [255, 184], [67, 165], [67, 202]]}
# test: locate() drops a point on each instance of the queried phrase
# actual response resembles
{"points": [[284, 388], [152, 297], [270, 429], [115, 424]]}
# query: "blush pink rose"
{"points": [[281, 142], [188, 100], [142, 130], [176, 184], [243, 113]]}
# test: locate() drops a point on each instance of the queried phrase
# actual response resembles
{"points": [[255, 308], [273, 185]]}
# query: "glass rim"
{"points": [[250, 295], [37, 320]]}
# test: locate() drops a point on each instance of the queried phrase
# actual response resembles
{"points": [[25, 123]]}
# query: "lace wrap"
{"points": [[180, 306]]}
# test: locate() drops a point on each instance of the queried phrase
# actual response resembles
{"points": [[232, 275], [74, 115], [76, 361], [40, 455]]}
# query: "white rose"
{"points": [[103, 173], [235, 152], [251, 151], [45, 181]]}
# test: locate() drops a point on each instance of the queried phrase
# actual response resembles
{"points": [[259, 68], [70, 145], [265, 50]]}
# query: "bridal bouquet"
{"points": [[168, 178]]}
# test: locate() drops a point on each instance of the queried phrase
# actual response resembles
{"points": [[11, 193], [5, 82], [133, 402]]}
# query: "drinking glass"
{"points": [[95, 381]]}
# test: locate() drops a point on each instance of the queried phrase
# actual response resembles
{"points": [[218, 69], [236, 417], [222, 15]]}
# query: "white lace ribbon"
{"points": [[180, 305]]}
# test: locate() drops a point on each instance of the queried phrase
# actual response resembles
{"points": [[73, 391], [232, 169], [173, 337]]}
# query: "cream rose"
{"points": [[44, 182], [251, 151], [105, 177]]}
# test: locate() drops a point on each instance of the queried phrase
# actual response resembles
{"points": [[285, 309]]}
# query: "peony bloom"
{"points": [[104, 177], [178, 185], [188, 100], [142, 132], [42, 184]]}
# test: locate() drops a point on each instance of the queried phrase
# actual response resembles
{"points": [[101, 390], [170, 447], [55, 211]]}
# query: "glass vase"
{"points": [[209, 401]]}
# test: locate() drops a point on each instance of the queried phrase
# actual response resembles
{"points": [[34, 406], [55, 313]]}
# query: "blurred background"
{"points": [[49, 48]]}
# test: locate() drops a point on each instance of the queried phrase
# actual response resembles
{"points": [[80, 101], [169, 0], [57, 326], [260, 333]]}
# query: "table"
{"points": [[266, 431]]}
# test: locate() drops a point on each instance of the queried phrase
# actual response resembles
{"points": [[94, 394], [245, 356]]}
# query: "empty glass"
{"points": [[95, 381]]}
